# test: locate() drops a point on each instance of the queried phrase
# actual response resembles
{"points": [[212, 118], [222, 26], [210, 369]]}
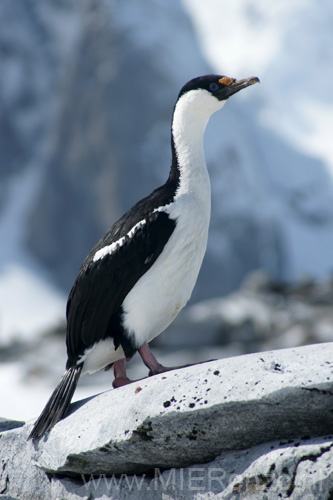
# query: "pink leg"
{"points": [[151, 362], [119, 367], [120, 375], [154, 366]]}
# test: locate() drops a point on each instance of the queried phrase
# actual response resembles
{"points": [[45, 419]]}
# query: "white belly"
{"points": [[100, 355], [164, 290]]}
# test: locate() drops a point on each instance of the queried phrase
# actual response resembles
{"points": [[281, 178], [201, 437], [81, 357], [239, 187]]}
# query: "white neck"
{"points": [[190, 118]]}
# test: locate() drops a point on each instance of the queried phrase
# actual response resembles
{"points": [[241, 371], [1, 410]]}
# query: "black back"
{"points": [[94, 303]]}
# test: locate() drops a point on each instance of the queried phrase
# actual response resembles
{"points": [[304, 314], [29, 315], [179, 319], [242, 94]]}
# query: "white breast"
{"points": [[164, 290]]}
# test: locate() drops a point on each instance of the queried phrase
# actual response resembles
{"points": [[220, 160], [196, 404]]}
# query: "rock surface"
{"points": [[298, 470], [256, 425]]}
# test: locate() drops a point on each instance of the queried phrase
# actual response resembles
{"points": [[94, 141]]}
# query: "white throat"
{"points": [[163, 291], [190, 119]]}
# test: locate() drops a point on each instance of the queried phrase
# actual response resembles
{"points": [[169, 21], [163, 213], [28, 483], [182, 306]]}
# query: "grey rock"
{"points": [[5, 497], [255, 426], [19, 477], [195, 413], [298, 470], [262, 315], [6, 424]]}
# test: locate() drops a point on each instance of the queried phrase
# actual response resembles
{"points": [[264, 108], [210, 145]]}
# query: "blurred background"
{"points": [[87, 91]]}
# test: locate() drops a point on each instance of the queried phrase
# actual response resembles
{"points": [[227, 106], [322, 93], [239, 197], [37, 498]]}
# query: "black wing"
{"points": [[102, 285]]}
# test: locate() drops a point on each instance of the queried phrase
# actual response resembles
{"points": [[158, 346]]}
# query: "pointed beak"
{"points": [[232, 86]]}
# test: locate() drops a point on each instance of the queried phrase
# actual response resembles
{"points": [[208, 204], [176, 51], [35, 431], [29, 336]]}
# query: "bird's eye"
{"points": [[213, 87]]}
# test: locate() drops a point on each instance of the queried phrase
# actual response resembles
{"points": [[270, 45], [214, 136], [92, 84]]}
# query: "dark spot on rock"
{"points": [[143, 430], [166, 404], [104, 449], [192, 436], [251, 484], [192, 405], [216, 372]]}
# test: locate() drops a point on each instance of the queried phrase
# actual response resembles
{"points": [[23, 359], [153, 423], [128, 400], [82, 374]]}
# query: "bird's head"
{"points": [[211, 91]]}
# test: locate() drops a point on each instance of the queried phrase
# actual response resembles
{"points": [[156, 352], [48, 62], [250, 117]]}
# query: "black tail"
{"points": [[57, 405]]}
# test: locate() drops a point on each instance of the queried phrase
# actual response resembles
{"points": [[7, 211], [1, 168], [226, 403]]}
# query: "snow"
{"points": [[22, 403], [289, 45], [316, 138], [161, 25], [29, 303]]}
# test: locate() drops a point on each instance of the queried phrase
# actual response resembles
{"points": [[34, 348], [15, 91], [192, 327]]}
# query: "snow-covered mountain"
{"points": [[86, 96], [284, 165]]}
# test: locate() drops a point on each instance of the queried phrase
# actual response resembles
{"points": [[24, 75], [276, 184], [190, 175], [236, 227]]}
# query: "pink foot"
{"points": [[120, 375], [154, 366], [151, 362], [119, 367], [120, 381]]}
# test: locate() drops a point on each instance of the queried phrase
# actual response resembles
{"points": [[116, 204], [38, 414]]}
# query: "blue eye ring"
{"points": [[213, 87]]}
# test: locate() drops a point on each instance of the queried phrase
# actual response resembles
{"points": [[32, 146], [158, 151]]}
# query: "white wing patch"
{"points": [[109, 249], [163, 208]]}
